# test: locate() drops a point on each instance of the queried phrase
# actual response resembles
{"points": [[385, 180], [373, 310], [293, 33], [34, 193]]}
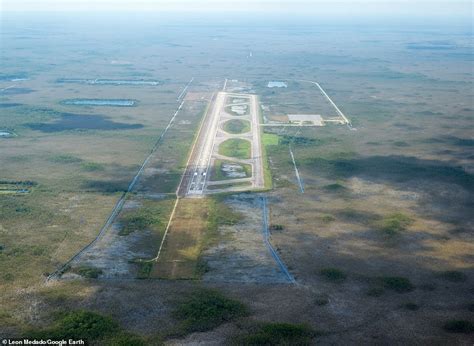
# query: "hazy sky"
{"points": [[364, 7]]}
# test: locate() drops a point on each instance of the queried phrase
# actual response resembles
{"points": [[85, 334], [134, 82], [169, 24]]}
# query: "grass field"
{"points": [[235, 147], [236, 126], [380, 241], [183, 244]]}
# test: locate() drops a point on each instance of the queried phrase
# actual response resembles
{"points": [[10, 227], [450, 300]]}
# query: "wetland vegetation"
{"points": [[385, 213]]}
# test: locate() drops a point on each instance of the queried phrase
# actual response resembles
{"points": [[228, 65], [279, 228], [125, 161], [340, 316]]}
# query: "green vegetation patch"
{"points": [[206, 309], [336, 187], [235, 147], [142, 218], [297, 140], [88, 272], [270, 139], [326, 218], [236, 126], [66, 158], [144, 269], [92, 166], [397, 284], [394, 224], [80, 324], [87, 325], [333, 275], [459, 326], [277, 334], [222, 214]]}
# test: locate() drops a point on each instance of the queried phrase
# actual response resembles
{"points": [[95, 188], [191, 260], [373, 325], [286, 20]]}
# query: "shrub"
{"points": [[336, 187], [138, 220], [397, 284], [395, 223], [80, 325], [327, 218], [206, 309], [89, 272], [91, 326], [144, 269], [459, 326], [333, 274], [277, 227]]}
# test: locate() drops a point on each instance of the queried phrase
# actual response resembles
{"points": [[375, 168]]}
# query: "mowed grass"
{"points": [[236, 126], [235, 147]]}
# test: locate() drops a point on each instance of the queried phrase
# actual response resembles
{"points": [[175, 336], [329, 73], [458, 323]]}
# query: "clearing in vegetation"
{"points": [[181, 249]]}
